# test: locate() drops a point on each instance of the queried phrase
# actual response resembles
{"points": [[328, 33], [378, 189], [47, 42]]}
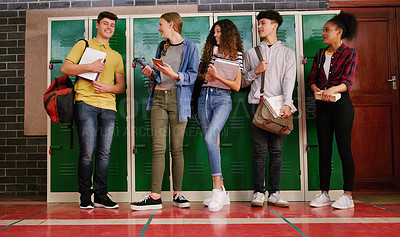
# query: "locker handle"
{"points": [[226, 145], [308, 146], [56, 147]]}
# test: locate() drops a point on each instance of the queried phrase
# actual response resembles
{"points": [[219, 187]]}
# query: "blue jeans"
{"points": [[214, 107], [265, 142], [95, 130]]}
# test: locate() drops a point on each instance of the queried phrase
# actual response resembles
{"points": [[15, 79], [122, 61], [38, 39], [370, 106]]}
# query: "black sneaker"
{"points": [[102, 200], [180, 201], [86, 201], [148, 203]]}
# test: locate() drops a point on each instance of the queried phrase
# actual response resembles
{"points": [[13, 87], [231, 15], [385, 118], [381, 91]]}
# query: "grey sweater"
{"points": [[280, 76]]}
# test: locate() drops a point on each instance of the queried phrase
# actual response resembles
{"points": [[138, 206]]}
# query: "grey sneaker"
{"points": [[258, 200], [321, 200], [344, 202], [275, 199]]}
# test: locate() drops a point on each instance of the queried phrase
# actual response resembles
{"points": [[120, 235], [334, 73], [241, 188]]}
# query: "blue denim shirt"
{"points": [[187, 77]]}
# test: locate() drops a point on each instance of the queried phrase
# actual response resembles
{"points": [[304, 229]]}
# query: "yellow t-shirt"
{"points": [[84, 89]]}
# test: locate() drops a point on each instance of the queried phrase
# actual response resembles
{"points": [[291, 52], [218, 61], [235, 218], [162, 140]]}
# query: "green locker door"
{"points": [[146, 38], [312, 30], [236, 146], [117, 172], [197, 172], [290, 178], [64, 161]]}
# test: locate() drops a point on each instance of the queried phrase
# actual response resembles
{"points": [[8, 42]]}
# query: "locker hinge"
{"points": [[134, 151]]}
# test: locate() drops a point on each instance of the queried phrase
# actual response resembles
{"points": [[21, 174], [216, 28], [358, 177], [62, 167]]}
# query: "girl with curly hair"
{"points": [[214, 104]]}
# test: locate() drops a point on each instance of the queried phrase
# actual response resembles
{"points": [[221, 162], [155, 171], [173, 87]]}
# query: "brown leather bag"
{"points": [[263, 117]]}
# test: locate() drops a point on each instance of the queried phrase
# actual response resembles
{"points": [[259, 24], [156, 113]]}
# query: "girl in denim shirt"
{"points": [[169, 103]]}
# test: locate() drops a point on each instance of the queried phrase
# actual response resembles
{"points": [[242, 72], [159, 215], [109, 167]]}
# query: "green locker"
{"points": [[64, 161], [146, 39], [197, 172], [312, 38]]}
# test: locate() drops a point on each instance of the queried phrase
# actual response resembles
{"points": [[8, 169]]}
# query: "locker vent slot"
{"points": [[195, 168], [151, 38], [68, 170], [113, 169], [67, 41], [147, 168], [194, 36], [238, 168]]}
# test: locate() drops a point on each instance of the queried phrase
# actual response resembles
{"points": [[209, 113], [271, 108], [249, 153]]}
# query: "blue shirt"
{"points": [[187, 77]]}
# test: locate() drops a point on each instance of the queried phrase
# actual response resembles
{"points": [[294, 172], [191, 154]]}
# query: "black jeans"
{"points": [[335, 117], [264, 142]]}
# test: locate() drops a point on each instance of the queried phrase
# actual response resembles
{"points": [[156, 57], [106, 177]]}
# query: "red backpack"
{"points": [[59, 98]]}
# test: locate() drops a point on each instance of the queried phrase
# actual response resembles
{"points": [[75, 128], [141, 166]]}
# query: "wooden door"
{"points": [[375, 135]]}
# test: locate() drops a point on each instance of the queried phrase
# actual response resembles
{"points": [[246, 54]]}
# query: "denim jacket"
{"points": [[187, 77]]}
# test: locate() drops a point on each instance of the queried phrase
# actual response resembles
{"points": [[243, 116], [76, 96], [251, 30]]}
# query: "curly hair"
{"points": [[230, 42], [348, 23]]}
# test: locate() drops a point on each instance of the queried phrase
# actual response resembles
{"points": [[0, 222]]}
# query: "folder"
{"points": [[275, 104], [226, 69], [90, 55]]}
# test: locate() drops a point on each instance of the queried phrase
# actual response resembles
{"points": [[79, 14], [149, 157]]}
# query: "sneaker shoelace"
{"points": [[144, 200], [343, 200], [180, 197]]}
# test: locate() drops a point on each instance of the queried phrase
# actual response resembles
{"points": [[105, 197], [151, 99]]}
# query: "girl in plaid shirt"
{"points": [[333, 72]]}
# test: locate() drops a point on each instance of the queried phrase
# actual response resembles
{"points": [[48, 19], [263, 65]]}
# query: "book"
{"points": [[275, 104], [335, 98], [89, 56], [226, 69]]}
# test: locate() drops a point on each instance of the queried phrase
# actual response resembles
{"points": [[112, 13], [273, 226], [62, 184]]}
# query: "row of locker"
{"points": [[131, 153]]}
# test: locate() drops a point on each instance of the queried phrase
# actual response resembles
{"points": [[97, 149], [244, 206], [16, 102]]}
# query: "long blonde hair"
{"points": [[178, 24]]}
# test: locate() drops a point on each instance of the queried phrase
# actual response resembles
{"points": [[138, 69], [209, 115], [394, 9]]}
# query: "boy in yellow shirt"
{"points": [[95, 110]]}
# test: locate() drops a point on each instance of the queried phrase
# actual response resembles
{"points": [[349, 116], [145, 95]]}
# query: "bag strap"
{"points": [[71, 125], [258, 52]]}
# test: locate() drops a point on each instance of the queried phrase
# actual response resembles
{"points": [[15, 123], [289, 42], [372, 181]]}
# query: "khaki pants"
{"points": [[164, 111]]}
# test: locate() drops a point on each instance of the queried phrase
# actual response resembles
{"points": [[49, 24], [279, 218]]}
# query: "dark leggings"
{"points": [[335, 118]]}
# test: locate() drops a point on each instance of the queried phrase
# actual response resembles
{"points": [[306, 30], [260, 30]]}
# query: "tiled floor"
{"points": [[372, 216]]}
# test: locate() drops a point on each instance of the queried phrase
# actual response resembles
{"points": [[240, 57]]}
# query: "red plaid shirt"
{"points": [[342, 70]]}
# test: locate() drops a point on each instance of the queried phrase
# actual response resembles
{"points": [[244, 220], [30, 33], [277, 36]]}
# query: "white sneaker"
{"points": [[276, 200], [207, 201], [219, 198], [321, 200], [344, 202], [258, 200]]}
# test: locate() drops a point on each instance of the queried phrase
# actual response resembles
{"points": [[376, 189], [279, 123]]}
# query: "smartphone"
{"points": [[157, 61]]}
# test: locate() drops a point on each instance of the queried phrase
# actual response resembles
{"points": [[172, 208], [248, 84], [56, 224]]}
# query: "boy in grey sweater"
{"points": [[279, 64]]}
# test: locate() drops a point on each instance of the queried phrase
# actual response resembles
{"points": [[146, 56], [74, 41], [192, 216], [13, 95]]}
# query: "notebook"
{"points": [[89, 56], [226, 69]]}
